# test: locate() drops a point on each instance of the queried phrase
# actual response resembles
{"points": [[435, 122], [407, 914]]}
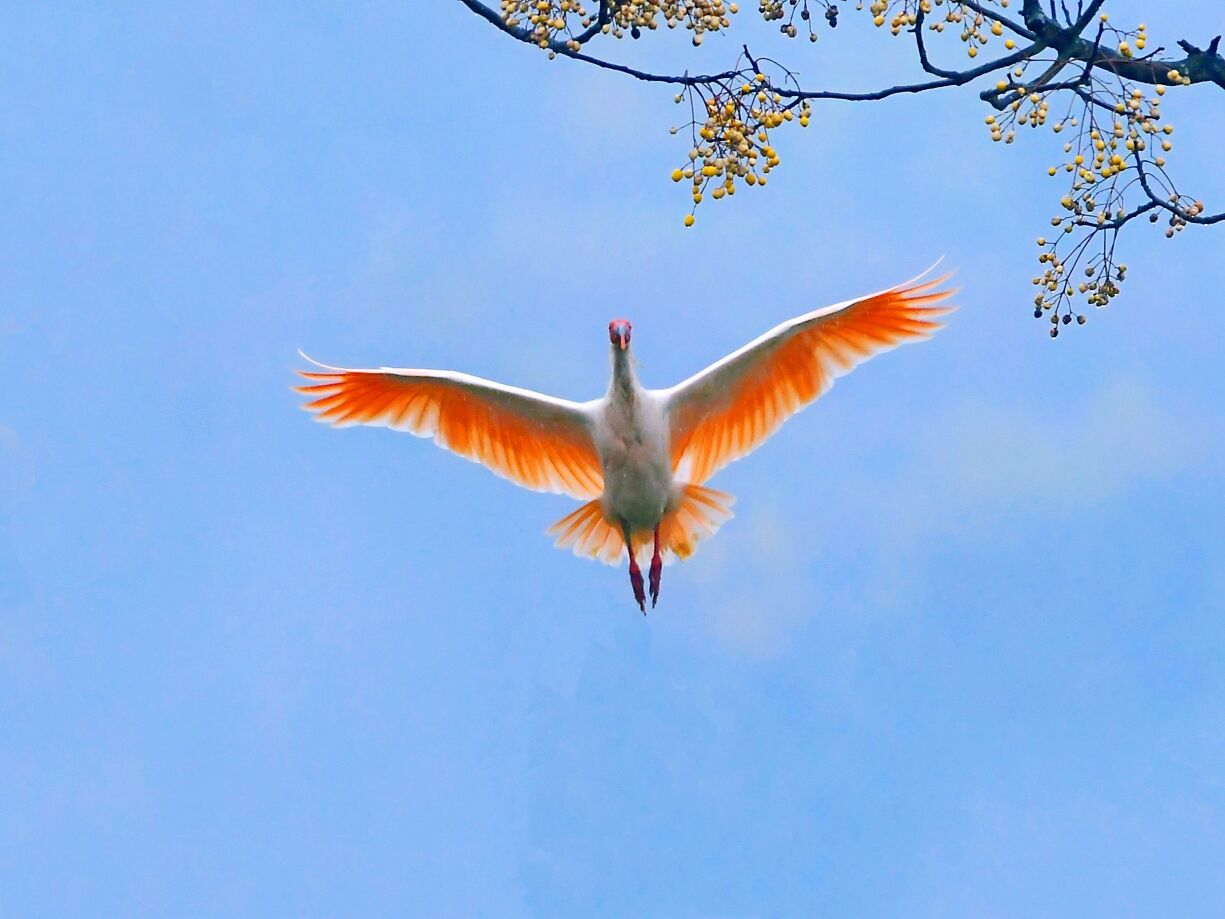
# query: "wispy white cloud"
{"points": [[769, 596], [22, 660], [16, 467], [965, 475], [978, 460]]}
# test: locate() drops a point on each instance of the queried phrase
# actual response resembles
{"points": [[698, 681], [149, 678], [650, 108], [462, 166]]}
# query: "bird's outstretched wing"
{"points": [[727, 410], [536, 441]]}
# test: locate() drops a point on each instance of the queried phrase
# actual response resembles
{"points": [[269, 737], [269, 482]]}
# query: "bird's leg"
{"points": [[635, 572], [657, 567]]}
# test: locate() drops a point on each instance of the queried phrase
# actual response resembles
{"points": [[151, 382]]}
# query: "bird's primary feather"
{"points": [[727, 410], [536, 441]]}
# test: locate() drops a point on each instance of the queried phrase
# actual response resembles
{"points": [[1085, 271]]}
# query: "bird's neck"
{"points": [[624, 382]]}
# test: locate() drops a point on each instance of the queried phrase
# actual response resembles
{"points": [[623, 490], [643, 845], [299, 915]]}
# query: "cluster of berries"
{"points": [[974, 28], [553, 22], [1116, 154], [732, 142]]}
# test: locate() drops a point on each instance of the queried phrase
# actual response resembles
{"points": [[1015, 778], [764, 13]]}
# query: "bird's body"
{"points": [[631, 438], [639, 457]]}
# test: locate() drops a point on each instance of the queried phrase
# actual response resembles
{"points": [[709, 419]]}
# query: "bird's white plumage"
{"points": [[631, 437]]}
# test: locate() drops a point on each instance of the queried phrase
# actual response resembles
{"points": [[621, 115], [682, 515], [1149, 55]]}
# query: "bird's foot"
{"points": [[657, 567], [639, 594]]}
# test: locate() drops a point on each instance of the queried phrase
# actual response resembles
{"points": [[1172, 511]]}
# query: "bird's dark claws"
{"points": [[639, 594]]}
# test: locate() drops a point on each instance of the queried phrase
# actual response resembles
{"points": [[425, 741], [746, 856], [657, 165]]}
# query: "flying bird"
{"points": [[638, 457]]}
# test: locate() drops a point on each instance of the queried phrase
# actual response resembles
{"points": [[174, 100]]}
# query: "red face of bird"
{"points": [[619, 332]]}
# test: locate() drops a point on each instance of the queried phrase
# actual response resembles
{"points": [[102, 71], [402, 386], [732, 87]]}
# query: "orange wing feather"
{"points": [[540, 443], [727, 410]]}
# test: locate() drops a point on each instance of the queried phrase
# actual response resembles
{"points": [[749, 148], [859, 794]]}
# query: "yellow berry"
{"points": [[688, 220]]}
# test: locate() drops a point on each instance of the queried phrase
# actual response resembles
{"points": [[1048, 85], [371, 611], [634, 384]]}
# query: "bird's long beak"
{"points": [[623, 341]]}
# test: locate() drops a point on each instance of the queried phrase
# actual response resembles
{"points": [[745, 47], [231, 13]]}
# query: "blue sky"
{"points": [[959, 652]]}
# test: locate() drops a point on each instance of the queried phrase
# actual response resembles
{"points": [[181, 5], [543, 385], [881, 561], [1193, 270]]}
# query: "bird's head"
{"points": [[619, 333]]}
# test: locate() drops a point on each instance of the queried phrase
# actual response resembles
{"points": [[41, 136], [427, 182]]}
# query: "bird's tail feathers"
{"points": [[699, 513], [586, 533]]}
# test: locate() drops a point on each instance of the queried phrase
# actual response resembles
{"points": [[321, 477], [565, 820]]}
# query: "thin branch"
{"points": [[1180, 212], [602, 18], [924, 61], [955, 78], [1043, 30], [1118, 221]]}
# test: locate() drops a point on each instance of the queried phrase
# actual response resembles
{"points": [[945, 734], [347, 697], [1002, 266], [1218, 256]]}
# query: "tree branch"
{"points": [[1199, 66], [559, 48], [1116, 132]]}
